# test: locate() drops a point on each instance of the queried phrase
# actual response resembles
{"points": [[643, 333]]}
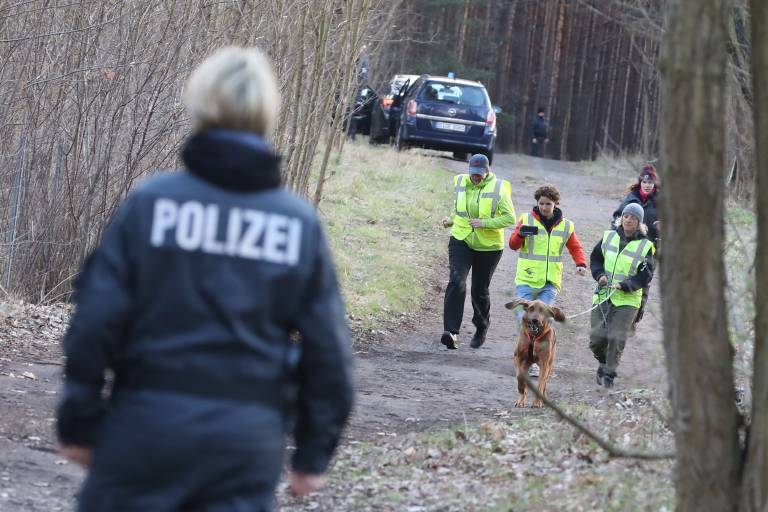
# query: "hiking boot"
{"points": [[533, 371], [608, 381], [478, 339], [450, 340], [600, 375]]}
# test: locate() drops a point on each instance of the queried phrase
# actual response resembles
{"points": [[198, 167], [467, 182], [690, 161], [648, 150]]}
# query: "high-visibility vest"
{"points": [[488, 199], [540, 259], [619, 266]]}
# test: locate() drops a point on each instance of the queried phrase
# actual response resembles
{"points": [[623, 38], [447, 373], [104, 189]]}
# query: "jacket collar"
{"points": [[624, 238], [232, 160], [557, 216]]}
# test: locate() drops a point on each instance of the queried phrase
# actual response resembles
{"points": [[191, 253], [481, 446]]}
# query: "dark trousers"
{"points": [[611, 326], [537, 148], [353, 128], [461, 258]]}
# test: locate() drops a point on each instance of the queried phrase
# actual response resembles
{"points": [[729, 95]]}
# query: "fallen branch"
{"points": [[613, 451]]}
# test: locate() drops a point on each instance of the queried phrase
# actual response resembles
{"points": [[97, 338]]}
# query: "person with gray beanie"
{"points": [[622, 264]]}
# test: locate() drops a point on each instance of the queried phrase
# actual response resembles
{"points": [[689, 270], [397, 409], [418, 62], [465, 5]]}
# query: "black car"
{"points": [[385, 113], [447, 114]]}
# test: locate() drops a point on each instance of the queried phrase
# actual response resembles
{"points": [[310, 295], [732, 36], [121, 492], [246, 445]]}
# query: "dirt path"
{"points": [[409, 382], [412, 382]]}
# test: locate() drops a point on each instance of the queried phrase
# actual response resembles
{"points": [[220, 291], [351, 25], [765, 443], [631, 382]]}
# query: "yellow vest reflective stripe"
{"points": [[540, 259], [494, 196], [620, 266], [460, 189], [488, 205]]}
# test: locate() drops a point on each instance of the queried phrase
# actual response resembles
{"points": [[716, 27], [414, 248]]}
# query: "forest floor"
{"points": [[433, 429]]}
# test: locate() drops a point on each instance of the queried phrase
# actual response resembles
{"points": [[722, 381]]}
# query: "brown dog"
{"points": [[535, 344]]}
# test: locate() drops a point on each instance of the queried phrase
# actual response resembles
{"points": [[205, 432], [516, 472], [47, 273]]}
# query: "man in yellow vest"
{"points": [[622, 265], [481, 210]]}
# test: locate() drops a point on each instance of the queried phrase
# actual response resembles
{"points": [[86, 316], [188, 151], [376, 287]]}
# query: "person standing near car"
{"points": [[482, 209], [539, 133], [185, 301]]}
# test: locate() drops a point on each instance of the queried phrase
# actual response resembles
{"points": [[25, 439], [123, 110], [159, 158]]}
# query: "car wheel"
{"points": [[459, 155], [400, 144], [489, 154]]}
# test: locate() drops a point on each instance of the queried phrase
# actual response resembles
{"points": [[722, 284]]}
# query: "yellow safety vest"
{"points": [[488, 202], [619, 266], [540, 259]]}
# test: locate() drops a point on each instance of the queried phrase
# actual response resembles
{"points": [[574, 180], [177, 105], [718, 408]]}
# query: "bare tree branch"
{"points": [[613, 450]]}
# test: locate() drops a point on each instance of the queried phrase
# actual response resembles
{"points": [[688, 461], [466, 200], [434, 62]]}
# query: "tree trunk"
{"points": [[755, 477], [699, 354]]}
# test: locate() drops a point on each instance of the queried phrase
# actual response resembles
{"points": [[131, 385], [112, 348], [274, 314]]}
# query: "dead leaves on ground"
{"points": [[508, 462]]}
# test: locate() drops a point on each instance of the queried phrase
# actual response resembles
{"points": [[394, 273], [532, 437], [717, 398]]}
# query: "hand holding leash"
{"points": [[600, 290]]}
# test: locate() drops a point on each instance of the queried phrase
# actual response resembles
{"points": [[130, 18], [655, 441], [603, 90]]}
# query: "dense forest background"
{"points": [[91, 93], [592, 64]]}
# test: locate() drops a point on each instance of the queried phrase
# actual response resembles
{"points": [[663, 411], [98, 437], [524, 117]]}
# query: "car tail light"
{"points": [[490, 119], [412, 107], [386, 101]]}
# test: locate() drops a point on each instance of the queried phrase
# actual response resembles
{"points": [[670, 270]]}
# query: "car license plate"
{"points": [[449, 126]]}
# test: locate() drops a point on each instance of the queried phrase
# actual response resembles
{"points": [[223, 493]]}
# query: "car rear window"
{"points": [[453, 93]]}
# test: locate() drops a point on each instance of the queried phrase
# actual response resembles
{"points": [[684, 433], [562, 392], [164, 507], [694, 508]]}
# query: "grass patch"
{"points": [[512, 462], [382, 211]]}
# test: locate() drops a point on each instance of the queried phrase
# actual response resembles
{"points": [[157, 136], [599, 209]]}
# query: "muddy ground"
{"points": [[407, 381]]}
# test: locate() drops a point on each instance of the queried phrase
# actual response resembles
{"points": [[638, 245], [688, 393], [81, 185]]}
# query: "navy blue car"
{"points": [[448, 114]]}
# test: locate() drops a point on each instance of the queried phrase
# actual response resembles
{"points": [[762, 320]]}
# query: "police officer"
{"points": [[622, 264], [192, 300], [481, 210]]}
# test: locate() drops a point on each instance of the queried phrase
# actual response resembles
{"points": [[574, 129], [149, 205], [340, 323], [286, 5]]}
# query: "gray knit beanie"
{"points": [[635, 210]]}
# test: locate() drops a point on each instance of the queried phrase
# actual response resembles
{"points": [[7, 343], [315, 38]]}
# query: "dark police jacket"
{"points": [[539, 128], [199, 285]]}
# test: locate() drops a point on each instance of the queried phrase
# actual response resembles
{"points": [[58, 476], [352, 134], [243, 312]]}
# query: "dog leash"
{"points": [[597, 290]]}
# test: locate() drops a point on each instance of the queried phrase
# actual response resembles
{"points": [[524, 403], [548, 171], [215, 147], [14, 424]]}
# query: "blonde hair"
{"points": [[233, 89], [642, 228]]}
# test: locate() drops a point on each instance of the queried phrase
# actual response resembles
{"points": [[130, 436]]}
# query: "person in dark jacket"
{"points": [[539, 133], [645, 192], [213, 300], [622, 264]]}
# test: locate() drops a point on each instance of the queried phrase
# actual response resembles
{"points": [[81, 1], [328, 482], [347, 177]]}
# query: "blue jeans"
{"points": [[546, 294]]}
